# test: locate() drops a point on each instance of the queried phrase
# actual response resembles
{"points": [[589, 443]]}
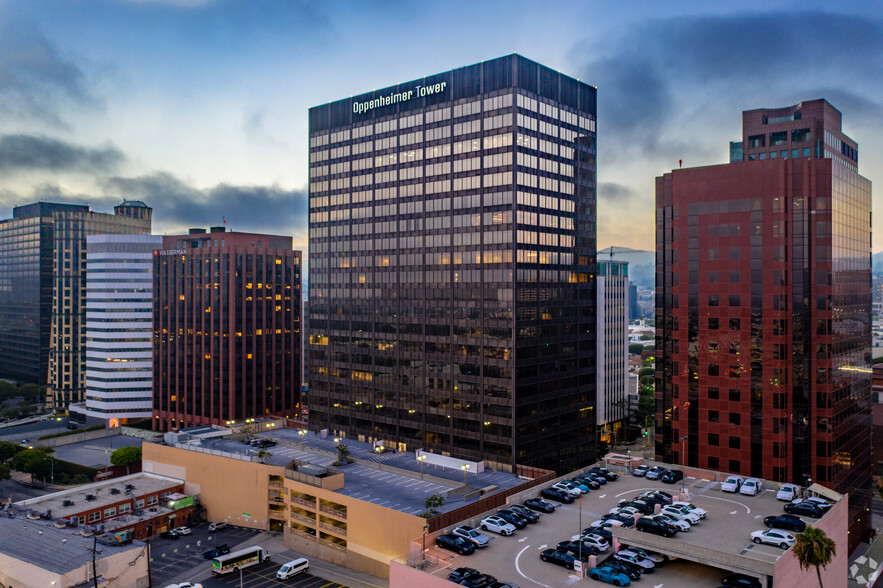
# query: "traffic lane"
{"points": [[12, 491], [264, 576], [170, 558], [31, 431]]}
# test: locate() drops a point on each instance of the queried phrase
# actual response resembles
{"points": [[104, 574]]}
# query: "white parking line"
{"points": [[520, 573]]}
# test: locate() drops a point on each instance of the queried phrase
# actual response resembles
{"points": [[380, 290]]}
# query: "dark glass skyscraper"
{"points": [[452, 259], [763, 305]]}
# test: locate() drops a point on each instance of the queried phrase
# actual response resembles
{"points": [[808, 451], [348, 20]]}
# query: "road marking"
{"points": [[602, 496], [520, 573], [861, 560], [543, 546], [522, 540], [734, 511], [853, 570]]}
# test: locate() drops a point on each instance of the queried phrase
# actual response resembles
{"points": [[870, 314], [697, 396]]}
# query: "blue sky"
{"points": [[199, 107]]}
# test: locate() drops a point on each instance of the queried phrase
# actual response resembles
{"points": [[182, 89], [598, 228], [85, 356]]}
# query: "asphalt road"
{"points": [[33, 430], [11, 488], [264, 576]]}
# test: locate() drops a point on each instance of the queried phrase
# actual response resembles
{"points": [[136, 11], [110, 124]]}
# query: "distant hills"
{"points": [[642, 264]]}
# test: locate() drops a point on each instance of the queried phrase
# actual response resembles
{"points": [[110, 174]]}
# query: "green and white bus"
{"points": [[241, 559]]}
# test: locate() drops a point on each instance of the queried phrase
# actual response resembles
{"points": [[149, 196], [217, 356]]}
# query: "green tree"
{"points": [[5, 472], [814, 548], [877, 360], [635, 348], [126, 456], [8, 451], [263, 455], [343, 453], [432, 503], [646, 371], [33, 461]]}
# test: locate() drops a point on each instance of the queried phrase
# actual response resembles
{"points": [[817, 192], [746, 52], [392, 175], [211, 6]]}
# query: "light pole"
{"points": [[465, 469], [579, 531], [377, 451], [630, 459], [425, 529], [683, 461], [421, 459], [302, 434]]}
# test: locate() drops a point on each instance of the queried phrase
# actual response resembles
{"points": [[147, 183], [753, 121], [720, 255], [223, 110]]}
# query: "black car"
{"points": [[639, 505], [634, 573], [530, 515], [589, 481], [511, 517], [806, 509], [555, 494], [741, 581], [656, 527], [219, 550], [625, 520], [602, 533], [170, 534], [479, 581], [540, 505], [599, 479], [656, 497], [785, 521], [558, 557], [577, 547], [672, 476], [604, 472], [455, 543], [461, 574], [499, 584]]}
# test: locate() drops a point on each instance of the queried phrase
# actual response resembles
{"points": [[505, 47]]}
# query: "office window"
{"points": [[780, 138], [735, 395], [139, 503], [713, 416], [755, 141], [735, 300], [713, 369], [735, 418], [735, 324], [713, 323], [713, 393], [713, 462], [735, 276], [713, 277], [713, 300], [713, 439], [110, 512], [735, 466], [735, 442]]}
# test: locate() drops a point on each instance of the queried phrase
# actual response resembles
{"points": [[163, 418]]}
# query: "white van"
{"points": [[293, 568]]}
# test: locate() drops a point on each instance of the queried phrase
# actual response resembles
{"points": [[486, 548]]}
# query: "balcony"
{"points": [[333, 511], [333, 528], [302, 519], [310, 504]]}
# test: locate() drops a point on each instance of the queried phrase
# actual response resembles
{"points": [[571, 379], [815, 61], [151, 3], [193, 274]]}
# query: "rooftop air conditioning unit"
{"points": [[90, 497], [114, 490]]}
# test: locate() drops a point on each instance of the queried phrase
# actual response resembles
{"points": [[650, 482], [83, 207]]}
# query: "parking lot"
{"points": [[264, 575], [170, 558], [731, 519]]}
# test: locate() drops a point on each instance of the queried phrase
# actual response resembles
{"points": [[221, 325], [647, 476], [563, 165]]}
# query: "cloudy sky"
{"points": [[199, 107]]}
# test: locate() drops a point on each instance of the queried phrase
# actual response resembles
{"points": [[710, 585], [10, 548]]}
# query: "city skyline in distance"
{"points": [[200, 107]]}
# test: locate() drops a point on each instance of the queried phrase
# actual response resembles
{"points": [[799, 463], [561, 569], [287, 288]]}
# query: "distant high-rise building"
{"points": [[764, 308], [635, 313], [613, 347], [227, 329], [119, 329], [43, 287]]}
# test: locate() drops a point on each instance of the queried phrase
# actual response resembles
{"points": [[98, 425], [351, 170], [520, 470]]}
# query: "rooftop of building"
{"points": [[391, 480], [41, 543], [102, 493]]}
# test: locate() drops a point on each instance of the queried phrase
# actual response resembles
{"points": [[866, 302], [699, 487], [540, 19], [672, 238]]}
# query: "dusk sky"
{"points": [[199, 107]]}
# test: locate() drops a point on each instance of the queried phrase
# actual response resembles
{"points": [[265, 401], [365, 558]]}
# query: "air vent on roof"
{"points": [[130, 486], [90, 497], [114, 490], [67, 503]]}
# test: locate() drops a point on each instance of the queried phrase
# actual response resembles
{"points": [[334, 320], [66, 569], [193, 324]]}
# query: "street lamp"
{"points": [[683, 460], [302, 433], [378, 450], [421, 459], [465, 469], [425, 529]]}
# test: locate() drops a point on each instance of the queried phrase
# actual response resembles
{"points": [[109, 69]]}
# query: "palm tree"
{"points": [[814, 548], [263, 455]]}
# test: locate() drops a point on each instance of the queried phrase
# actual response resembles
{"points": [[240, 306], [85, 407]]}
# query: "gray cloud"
{"points": [[615, 192], [37, 152], [36, 82], [268, 209]]}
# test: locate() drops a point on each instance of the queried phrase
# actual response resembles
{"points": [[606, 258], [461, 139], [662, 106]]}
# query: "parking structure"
{"points": [[717, 546]]}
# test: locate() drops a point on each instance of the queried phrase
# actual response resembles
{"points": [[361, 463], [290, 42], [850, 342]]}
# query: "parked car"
{"points": [[170, 534], [576, 547], [639, 505], [530, 515], [774, 537], [652, 556], [751, 487], [470, 534], [651, 498], [611, 476], [640, 471], [633, 558], [219, 550], [455, 543], [624, 519], [672, 476], [788, 492], [806, 509], [606, 523], [555, 494], [580, 485], [655, 473], [679, 524], [691, 507], [785, 521], [732, 484], [589, 481], [540, 505], [626, 511], [680, 513], [568, 488], [601, 480], [516, 520], [740, 581], [185, 585], [183, 530], [663, 495], [609, 575], [595, 541], [479, 581], [656, 527], [560, 558], [213, 527], [625, 568], [461, 574], [823, 504], [497, 525], [499, 584], [604, 534]]}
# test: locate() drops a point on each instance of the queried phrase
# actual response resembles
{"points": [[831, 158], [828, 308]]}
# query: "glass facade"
{"points": [[452, 265]]}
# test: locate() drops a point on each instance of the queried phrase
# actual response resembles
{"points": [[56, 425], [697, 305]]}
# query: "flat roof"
{"points": [[40, 543], [395, 483], [143, 482]]}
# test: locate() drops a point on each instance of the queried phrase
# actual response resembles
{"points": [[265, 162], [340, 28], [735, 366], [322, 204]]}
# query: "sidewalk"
{"points": [[272, 541], [865, 565]]}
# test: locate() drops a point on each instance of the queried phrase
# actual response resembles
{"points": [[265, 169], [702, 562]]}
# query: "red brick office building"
{"points": [[764, 308], [227, 328]]}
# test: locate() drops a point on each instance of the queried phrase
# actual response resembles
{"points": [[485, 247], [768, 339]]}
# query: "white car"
{"points": [[679, 524], [567, 488], [497, 525], [823, 504], [593, 540], [625, 511], [654, 557], [732, 484], [470, 534], [605, 524], [185, 585], [640, 471], [680, 513], [645, 565], [751, 487], [787, 492], [778, 537], [182, 530], [691, 507]]}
